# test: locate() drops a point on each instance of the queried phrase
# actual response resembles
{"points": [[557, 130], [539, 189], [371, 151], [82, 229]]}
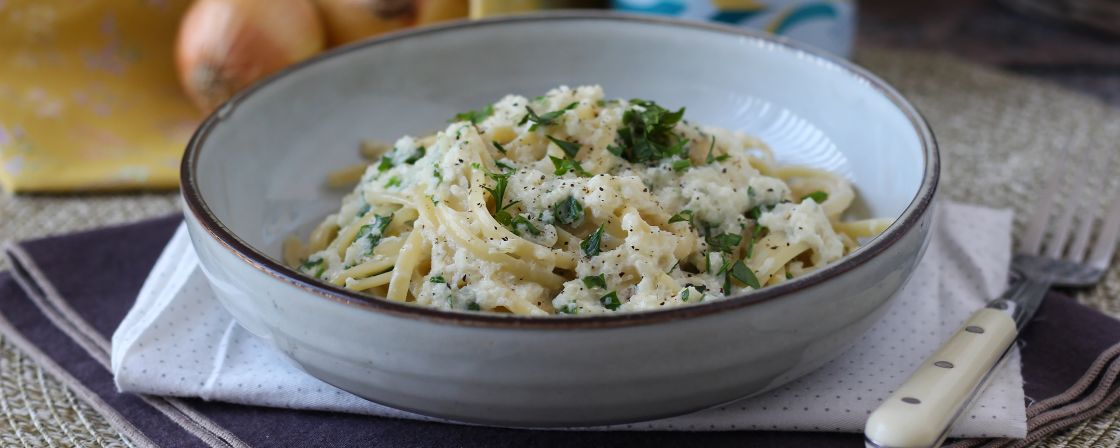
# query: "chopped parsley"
{"points": [[744, 274], [595, 281], [570, 308], [499, 147], [712, 157], [374, 231], [817, 196], [610, 301], [393, 182], [685, 294], [365, 209], [438, 176], [755, 212], [437, 279], [754, 238], [563, 166], [788, 275], [516, 223], [724, 242], [504, 167], [473, 306], [419, 154], [591, 245], [647, 134], [571, 149], [545, 119], [318, 262], [498, 191], [567, 211], [474, 116], [711, 151], [684, 215], [750, 191], [385, 164], [682, 164]]}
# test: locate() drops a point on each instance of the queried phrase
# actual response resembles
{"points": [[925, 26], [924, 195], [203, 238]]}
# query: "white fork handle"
{"points": [[920, 412]]}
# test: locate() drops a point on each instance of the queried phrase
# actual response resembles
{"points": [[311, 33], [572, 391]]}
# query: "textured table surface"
{"points": [[998, 133]]}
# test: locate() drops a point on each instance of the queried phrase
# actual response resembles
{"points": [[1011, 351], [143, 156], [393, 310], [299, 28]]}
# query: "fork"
{"points": [[921, 411]]}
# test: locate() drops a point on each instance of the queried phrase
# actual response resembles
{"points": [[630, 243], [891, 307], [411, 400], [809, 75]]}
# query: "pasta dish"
{"points": [[570, 203]]}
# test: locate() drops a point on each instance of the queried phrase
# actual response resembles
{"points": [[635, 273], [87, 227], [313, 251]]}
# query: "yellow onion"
{"points": [[225, 45], [351, 20]]}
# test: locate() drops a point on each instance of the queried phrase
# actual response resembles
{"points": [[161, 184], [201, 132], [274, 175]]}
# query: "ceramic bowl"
{"points": [[253, 174]]}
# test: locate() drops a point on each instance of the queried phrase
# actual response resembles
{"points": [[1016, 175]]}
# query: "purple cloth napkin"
{"points": [[94, 277]]}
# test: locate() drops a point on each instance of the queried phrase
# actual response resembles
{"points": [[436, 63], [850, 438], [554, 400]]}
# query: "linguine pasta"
{"points": [[572, 204]]}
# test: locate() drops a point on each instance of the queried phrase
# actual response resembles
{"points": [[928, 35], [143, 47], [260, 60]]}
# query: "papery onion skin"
{"points": [[225, 45], [351, 20]]}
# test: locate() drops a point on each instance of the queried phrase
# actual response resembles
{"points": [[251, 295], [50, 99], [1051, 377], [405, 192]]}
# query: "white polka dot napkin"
{"points": [[178, 340]]}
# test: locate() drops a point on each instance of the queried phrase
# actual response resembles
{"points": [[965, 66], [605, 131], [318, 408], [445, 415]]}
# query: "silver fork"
{"points": [[921, 411]]}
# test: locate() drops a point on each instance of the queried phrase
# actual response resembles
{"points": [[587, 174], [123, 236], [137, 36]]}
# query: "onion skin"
{"points": [[351, 20], [225, 45], [432, 11]]}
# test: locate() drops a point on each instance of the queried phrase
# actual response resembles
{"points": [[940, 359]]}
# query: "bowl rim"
{"points": [[910, 216]]}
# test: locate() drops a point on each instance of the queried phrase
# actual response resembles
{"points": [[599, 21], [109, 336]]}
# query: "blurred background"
{"points": [[102, 95]]}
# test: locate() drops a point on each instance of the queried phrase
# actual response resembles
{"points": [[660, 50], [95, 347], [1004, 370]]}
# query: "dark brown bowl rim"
{"points": [[197, 207]]}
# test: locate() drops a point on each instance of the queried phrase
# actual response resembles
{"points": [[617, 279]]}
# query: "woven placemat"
{"points": [[998, 134]]}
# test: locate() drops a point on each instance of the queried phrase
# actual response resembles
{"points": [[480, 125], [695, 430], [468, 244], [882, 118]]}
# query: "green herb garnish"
{"points": [[591, 245], [754, 238], [437, 279], [473, 306], [474, 116], [744, 274], [385, 164], [498, 191], [545, 119], [499, 147], [684, 215], [724, 242], [711, 148], [682, 164], [610, 301], [308, 264], [647, 135], [393, 182], [595, 281], [571, 149], [504, 166], [438, 176], [788, 275], [563, 166], [817, 196], [515, 223], [374, 231], [419, 154], [567, 211], [365, 209], [570, 308], [685, 294]]}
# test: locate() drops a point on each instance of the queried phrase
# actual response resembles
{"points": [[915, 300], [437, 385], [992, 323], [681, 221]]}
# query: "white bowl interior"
{"points": [[262, 168]]}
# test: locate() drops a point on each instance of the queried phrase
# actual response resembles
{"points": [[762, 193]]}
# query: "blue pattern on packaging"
{"points": [[828, 24]]}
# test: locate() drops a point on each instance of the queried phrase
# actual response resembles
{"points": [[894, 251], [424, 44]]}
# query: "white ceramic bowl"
{"points": [[253, 172]]}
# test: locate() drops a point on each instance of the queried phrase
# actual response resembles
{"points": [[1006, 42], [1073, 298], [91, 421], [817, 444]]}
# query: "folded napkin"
{"points": [[179, 341], [60, 309]]}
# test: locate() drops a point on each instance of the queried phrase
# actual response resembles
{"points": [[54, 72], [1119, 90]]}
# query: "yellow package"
{"points": [[89, 98]]}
